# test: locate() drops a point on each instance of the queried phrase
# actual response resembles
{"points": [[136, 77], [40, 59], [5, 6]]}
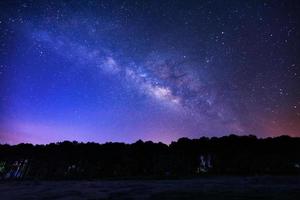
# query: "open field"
{"points": [[264, 187]]}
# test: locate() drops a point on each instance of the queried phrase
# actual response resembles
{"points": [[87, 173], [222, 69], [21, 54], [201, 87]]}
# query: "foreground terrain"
{"points": [[264, 187]]}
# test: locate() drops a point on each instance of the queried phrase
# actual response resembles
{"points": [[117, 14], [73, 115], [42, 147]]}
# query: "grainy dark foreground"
{"points": [[207, 188]]}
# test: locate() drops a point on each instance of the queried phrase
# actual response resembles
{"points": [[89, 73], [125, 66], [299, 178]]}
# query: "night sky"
{"points": [[153, 70]]}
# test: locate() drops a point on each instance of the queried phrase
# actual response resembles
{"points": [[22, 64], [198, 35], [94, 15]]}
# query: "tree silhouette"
{"points": [[240, 155]]}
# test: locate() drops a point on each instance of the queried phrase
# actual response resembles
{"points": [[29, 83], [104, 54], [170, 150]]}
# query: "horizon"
{"points": [[122, 71], [146, 141]]}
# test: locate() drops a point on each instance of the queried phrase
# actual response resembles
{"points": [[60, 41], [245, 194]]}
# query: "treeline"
{"points": [[229, 155]]}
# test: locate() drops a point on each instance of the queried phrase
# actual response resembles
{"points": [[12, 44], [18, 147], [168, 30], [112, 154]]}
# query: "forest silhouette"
{"points": [[228, 155]]}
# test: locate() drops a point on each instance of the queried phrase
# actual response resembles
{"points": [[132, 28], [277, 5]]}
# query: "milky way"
{"points": [[127, 70]]}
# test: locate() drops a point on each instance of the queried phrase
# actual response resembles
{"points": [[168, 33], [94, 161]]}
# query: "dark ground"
{"points": [[263, 187]]}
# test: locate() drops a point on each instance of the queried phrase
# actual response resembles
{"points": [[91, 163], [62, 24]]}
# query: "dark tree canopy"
{"points": [[238, 155]]}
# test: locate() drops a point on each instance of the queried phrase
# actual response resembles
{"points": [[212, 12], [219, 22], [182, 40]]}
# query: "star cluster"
{"points": [[152, 70]]}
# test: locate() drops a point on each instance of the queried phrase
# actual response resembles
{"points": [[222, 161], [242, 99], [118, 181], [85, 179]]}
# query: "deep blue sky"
{"points": [[153, 70]]}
